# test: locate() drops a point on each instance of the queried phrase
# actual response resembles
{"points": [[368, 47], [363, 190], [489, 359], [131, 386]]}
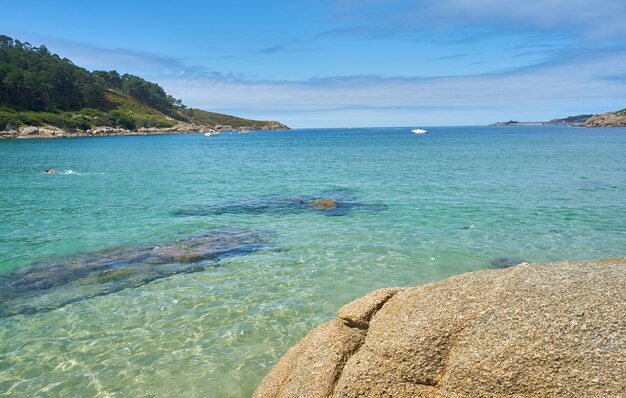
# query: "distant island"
{"points": [[44, 95], [609, 119]]}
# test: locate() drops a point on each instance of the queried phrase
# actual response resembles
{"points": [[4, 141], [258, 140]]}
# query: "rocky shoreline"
{"points": [[180, 128], [608, 119], [532, 330]]}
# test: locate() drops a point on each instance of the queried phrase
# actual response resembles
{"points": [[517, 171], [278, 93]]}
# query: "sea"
{"points": [[186, 265]]}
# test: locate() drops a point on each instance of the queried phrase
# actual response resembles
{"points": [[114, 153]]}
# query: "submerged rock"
{"points": [[506, 262], [325, 203], [52, 284], [553, 330], [335, 203]]}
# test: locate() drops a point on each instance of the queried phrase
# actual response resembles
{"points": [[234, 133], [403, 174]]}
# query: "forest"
{"points": [[39, 88], [33, 79], [37, 84]]}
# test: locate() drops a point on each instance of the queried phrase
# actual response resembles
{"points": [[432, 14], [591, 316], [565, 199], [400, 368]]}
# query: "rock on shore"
{"points": [[55, 132], [609, 119], [552, 330]]}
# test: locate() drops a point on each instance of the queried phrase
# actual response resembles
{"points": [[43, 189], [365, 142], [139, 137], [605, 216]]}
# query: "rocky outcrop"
{"points": [[609, 119], [35, 132], [553, 330], [180, 128]]}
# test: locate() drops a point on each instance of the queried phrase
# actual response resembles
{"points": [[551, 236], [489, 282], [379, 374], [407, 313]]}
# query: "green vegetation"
{"points": [[40, 88], [34, 79], [142, 90], [120, 110], [205, 118]]}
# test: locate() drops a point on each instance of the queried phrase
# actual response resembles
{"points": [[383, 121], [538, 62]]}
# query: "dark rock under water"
{"points": [[506, 262], [332, 203], [47, 285]]}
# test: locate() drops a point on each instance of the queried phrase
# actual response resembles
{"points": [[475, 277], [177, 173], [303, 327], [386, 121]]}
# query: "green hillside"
{"points": [[211, 119], [38, 88]]}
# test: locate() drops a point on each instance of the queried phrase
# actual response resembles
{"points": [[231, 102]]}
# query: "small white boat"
{"points": [[211, 132], [244, 131], [419, 131]]}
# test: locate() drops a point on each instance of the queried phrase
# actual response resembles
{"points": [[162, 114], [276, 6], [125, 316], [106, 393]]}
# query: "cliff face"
{"points": [[609, 119], [550, 330]]}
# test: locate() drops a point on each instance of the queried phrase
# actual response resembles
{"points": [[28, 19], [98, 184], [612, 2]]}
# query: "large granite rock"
{"points": [[553, 330]]}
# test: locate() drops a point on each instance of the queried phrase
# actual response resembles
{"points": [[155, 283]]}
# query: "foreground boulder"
{"points": [[552, 330]]}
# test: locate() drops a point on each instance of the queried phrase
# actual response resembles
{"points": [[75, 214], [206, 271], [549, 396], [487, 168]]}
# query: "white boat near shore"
{"points": [[419, 131]]}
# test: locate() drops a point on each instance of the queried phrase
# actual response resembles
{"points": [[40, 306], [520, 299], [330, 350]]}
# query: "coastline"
{"points": [[608, 119], [27, 132]]}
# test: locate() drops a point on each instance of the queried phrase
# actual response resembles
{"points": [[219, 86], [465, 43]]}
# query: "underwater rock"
{"points": [[58, 282], [325, 203], [334, 203], [506, 262]]}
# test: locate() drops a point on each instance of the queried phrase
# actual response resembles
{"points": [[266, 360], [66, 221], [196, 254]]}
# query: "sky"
{"points": [[350, 63]]}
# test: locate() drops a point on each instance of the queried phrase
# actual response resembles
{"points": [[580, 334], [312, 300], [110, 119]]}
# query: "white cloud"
{"points": [[577, 81], [595, 82], [586, 18]]}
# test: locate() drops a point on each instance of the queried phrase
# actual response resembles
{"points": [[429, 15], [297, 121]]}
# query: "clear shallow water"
{"points": [[456, 199]]}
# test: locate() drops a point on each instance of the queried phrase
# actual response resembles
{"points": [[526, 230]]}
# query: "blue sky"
{"points": [[348, 62]]}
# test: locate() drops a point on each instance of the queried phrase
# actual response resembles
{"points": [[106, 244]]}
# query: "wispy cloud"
{"points": [[572, 55], [544, 91], [272, 50], [94, 57], [585, 18], [451, 56], [591, 81]]}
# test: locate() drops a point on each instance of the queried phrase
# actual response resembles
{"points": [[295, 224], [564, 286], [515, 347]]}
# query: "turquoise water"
{"points": [[425, 207]]}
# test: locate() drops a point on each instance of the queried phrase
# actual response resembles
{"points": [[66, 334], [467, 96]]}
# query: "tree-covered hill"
{"points": [[39, 88], [34, 79]]}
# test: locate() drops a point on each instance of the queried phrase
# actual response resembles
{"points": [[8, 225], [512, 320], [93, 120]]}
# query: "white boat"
{"points": [[419, 131], [211, 132], [244, 131]]}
